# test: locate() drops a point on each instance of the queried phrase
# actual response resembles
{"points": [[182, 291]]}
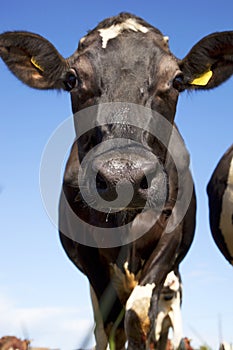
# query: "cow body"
{"points": [[220, 192], [130, 220]]}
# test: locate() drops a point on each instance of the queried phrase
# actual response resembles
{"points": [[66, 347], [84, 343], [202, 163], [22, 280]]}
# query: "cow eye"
{"points": [[71, 80], [178, 82]]}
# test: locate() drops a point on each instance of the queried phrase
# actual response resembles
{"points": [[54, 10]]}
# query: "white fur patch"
{"points": [[139, 302], [82, 39], [115, 30], [226, 224], [170, 311], [140, 293], [172, 282], [226, 346]]}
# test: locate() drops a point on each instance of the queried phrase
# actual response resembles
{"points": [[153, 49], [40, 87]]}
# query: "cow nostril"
{"points": [[167, 212], [101, 183], [144, 183]]}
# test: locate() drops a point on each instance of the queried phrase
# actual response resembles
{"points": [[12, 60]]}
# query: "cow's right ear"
{"points": [[33, 59]]}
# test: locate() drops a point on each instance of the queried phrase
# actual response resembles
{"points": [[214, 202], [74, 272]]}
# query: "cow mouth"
{"points": [[111, 217], [105, 229], [123, 217], [108, 217]]}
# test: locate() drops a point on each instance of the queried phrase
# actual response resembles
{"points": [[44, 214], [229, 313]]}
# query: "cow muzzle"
{"points": [[124, 181]]}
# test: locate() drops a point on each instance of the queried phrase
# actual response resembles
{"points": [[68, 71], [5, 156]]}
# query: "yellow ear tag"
{"points": [[36, 64], [203, 79]]}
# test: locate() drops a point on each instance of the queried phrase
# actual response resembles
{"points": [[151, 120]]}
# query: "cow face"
{"points": [[101, 72]]}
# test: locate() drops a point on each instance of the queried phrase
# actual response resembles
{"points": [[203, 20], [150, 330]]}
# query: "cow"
{"points": [[13, 343], [185, 344], [220, 194], [127, 205], [226, 346], [169, 312]]}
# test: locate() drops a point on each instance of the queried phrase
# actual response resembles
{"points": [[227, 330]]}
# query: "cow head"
{"points": [[125, 60]]}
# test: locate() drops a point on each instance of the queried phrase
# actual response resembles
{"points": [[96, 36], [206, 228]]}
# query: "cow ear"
{"points": [[210, 61], [33, 59]]}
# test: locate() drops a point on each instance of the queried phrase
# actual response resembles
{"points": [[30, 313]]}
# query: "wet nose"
{"points": [[116, 175]]}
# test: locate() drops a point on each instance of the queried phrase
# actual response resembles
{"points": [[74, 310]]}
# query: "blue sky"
{"points": [[42, 295]]}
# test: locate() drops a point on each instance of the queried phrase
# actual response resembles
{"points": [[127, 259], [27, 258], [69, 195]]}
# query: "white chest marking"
{"points": [[115, 30], [226, 224]]}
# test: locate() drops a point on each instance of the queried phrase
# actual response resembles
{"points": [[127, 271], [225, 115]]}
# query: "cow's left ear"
{"points": [[33, 59], [210, 62]]}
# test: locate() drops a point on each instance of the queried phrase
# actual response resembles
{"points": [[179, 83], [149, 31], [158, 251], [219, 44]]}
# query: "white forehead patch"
{"points": [[226, 224], [82, 39], [115, 30]]}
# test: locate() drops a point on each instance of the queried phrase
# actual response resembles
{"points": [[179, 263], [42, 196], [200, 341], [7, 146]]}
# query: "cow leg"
{"points": [[161, 327], [100, 335], [104, 333], [176, 320], [106, 305], [142, 305], [163, 336], [161, 262], [137, 323]]}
